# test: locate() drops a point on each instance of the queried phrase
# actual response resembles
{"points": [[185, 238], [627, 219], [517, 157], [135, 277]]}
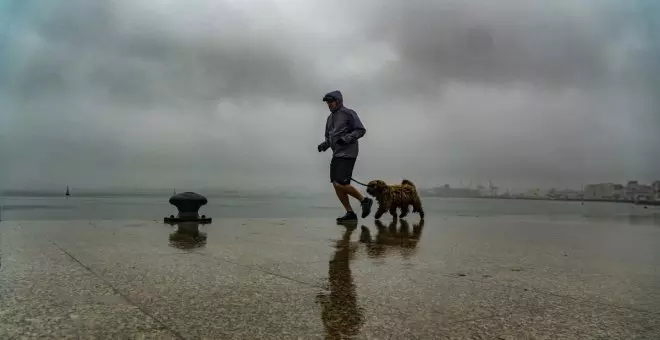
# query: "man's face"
{"points": [[331, 104]]}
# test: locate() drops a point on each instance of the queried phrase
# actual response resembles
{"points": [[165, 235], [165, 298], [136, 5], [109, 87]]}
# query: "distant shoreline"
{"points": [[234, 194], [535, 198], [563, 199], [606, 200]]}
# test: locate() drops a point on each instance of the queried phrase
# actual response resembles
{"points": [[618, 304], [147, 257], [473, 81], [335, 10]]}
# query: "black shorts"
{"points": [[341, 170]]}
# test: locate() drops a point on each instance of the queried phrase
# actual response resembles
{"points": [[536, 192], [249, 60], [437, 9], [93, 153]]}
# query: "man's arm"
{"points": [[357, 129], [326, 143]]}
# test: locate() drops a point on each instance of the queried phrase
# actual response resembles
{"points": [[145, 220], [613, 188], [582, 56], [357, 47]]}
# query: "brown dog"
{"points": [[391, 197]]}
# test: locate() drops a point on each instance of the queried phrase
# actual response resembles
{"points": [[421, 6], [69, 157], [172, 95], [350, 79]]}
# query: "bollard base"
{"points": [[173, 220]]}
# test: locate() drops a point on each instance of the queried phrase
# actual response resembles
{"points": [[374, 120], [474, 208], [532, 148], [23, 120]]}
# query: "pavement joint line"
{"points": [[116, 291], [578, 300]]}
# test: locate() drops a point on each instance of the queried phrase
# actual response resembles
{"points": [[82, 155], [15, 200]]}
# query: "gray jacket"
{"points": [[345, 125]]}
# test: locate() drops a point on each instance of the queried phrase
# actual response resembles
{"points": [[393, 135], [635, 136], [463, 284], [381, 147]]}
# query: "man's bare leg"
{"points": [[343, 196], [350, 190]]}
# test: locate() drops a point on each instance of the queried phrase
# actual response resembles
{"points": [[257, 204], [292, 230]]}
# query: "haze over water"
{"points": [[311, 206]]}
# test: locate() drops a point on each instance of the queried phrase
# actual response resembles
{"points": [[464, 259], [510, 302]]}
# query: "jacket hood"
{"points": [[336, 95]]}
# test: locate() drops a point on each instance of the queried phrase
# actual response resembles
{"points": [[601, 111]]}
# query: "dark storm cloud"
{"points": [[558, 92], [89, 50], [555, 44], [211, 93]]}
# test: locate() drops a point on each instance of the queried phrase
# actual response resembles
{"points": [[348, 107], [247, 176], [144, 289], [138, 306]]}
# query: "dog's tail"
{"points": [[407, 182]]}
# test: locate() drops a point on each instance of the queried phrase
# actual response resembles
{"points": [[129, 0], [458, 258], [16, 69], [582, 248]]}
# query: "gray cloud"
{"points": [[227, 94]]}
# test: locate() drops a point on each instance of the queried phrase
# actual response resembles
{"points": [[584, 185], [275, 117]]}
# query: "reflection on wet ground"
{"points": [[308, 278], [341, 315], [187, 236], [653, 219], [390, 238]]}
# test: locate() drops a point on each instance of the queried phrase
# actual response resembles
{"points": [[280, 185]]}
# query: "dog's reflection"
{"points": [[341, 315], [391, 238]]}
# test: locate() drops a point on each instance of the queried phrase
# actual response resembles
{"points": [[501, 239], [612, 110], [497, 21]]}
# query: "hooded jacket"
{"points": [[343, 124]]}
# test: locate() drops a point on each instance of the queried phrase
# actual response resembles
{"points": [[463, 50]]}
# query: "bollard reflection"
{"points": [[187, 236]]}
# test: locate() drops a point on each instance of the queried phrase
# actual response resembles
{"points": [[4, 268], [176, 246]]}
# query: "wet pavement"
{"points": [[459, 277]]}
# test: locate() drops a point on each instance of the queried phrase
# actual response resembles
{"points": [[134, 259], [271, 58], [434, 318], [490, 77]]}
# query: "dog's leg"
{"points": [[381, 210], [404, 210], [417, 207], [393, 211], [416, 204]]}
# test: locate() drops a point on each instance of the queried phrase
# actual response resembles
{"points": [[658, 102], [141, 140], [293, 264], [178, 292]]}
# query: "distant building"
{"points": [[619, 192], [636, 191], [483, 191], [644, 192], [656, 190], [447, 191], [565, 194], [603, 191], [535, 193], [631, 190]]}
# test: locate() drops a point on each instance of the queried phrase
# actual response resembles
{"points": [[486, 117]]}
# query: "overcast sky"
{"points": [[209, 93]]}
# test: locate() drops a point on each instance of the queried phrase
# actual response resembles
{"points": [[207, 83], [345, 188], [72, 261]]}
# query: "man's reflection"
{"points": [[341, 315], [390, 238]]}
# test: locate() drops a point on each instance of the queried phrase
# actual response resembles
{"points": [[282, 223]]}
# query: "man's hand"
{"points": [[322, 147]]}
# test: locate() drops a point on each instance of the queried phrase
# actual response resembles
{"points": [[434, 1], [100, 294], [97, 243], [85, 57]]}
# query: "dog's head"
{"points": [[376, 188]]}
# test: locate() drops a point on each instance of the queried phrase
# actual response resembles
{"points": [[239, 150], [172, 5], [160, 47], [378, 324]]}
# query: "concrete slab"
{"points": [[309, 278], [562, 318], [47, 294]]}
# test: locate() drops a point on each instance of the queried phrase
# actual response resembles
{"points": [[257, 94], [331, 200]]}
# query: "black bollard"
{"points": [[188, 204]]}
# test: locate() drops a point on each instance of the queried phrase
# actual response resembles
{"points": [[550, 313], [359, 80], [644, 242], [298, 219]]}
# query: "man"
{"points": [[343, 128]]}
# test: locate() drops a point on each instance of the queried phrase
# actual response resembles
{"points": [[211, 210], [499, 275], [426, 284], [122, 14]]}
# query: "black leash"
{"points": [[358, 182]]}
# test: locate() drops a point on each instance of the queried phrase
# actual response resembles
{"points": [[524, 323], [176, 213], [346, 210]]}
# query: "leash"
{"points": [[358, 182]]}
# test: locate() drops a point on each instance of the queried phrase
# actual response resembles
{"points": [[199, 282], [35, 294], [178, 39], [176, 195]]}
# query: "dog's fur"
{"points": [[391, 197]]}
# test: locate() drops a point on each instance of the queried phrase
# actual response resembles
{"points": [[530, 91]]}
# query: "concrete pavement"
{"points": [[461, 277]]}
